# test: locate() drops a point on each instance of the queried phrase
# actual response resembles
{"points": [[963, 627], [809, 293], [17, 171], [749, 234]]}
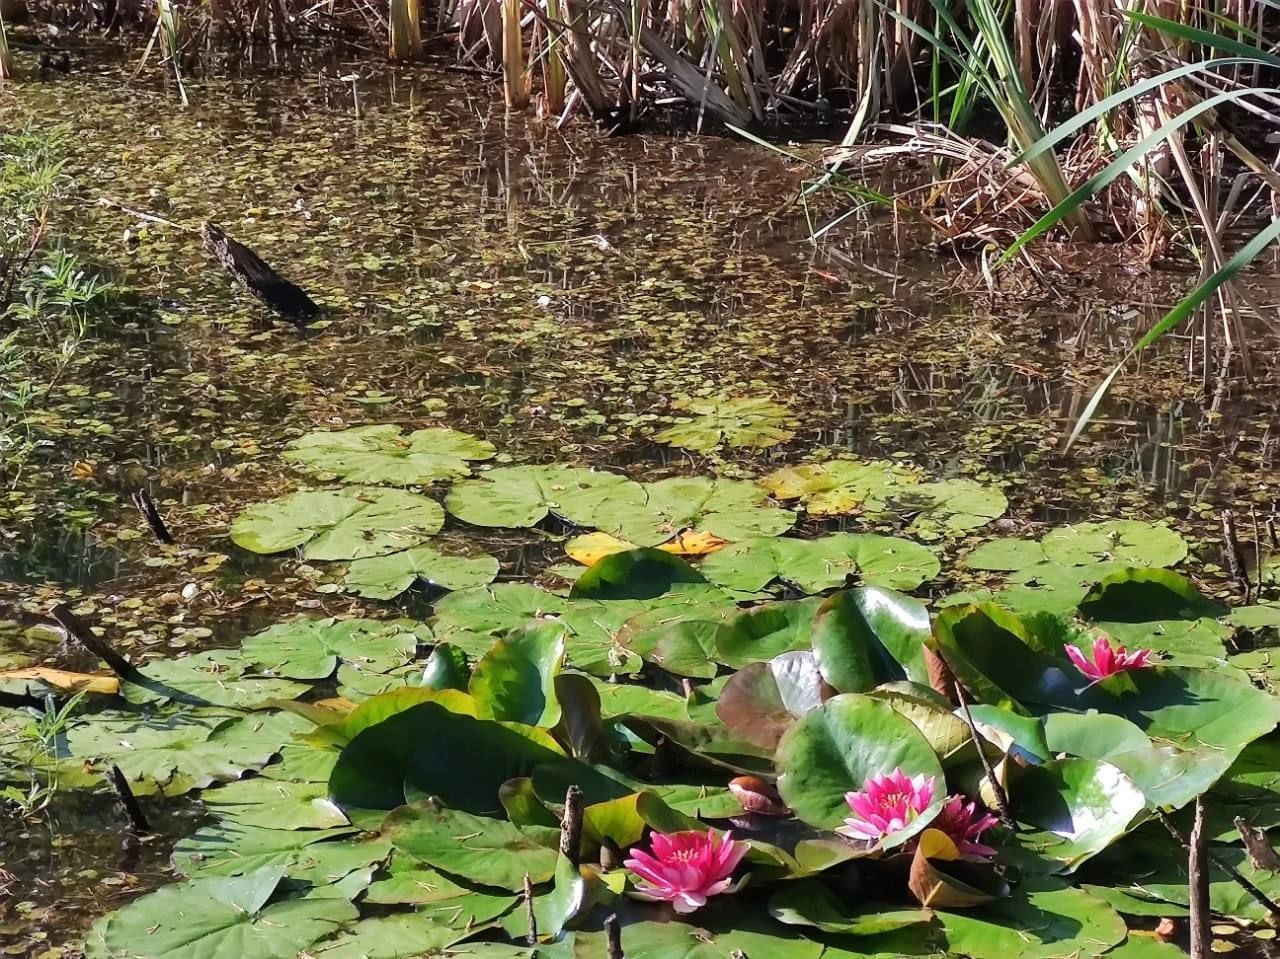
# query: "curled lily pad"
{"points": [[382, 455], [521, 496], [339, 524], [729, 421], [867, 636], [385, 577], [762, 701], [722, 508]]}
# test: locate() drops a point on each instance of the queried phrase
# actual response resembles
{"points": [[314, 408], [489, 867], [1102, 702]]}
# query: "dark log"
{"points": [[79, 630], [129, 802], [147, 507], [256, 276]]}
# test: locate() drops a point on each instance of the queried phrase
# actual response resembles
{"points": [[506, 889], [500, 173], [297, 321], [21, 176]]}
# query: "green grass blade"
{"points": [[1214, 41], [1117, 167], [1105, 106]]}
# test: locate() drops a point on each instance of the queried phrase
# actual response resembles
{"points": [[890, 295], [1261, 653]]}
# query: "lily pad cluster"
{"points": [[876, 488], [423, 810]]}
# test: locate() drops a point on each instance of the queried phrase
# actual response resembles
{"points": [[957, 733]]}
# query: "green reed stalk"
{"points": [[515, 76], [554, 74]]}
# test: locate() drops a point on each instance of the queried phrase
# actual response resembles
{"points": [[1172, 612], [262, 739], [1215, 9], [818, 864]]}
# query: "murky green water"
{"points": [[550, 291]]}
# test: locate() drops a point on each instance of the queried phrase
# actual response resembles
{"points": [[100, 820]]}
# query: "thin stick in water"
{"points": [[997, 791], [532, 938], [79, 630], [147, 507], [1198, 880], [129, 802]]}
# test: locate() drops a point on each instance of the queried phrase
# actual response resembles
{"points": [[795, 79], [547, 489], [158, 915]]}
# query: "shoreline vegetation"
{"points": [[1146, 125]]}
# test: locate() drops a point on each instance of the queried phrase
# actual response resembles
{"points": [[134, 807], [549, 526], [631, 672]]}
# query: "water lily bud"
{"points": [[757, 796]]}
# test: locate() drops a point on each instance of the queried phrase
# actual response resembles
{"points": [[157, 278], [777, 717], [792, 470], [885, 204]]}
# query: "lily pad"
{"points": [[814, 565], [840, 486], [339, 524], [729, 421], [211, 918], [273, 804], [402, 935], [491, 852], [726, 509], [837, 747], [382, 455], [1130, 542], [762, 701], [522, 496], [868, 636], [318, 857], [386, 577], [312, 648], [515, 679], [760, 633], [949, 507], [216, 678]]}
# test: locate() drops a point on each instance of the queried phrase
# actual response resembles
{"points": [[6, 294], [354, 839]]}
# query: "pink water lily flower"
{"points": [[962, 822], [886, 804], [686, 868], [1107, 660]]}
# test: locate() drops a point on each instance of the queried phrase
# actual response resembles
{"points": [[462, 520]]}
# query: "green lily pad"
{"points": [[868, 636], [1041, 920], [837, 747], [636, 574], [402, 935], [273, 804], [339, 524], [760, 633], [729, 421], [312, 648], [729, 509], [211, 918], [383, 456], [840, 486], [491, 852], [1130, 542], [1078, 808], [522, 496], [1006, 555], [819, 564], [318, 857], [515, 679], [809, 903], [175, 753], [216, 678], [949, 507], [681, 640], [386, 577]]}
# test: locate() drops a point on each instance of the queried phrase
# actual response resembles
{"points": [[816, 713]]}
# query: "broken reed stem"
{"points": [[1232, 554], [528, 911], [147, 507], [997, 791], [571, 825], [1198, 882], [79, 630], [129, 802], [1260, 897], [613, 938]]}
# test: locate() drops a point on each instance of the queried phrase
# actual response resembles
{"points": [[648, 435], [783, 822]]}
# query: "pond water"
{"points": [[551, 291]]}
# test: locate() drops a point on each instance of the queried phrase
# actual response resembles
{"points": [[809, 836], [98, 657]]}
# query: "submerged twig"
{"points": [[128, 801], [1255, 844], [147, 507], [997, 791], [571, 825], [1260, 897], [79, 630]]}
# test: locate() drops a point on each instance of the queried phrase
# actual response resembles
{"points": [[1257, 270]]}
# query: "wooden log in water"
{"points": [[256, 276]]}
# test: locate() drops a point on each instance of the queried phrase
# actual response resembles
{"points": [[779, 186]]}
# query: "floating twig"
{"points": [[147, 507], [129, 802], [997, 791], [1260, 897], [613, 938], [1198, 882], [79, 630], [529, 916], [571, 825]]}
